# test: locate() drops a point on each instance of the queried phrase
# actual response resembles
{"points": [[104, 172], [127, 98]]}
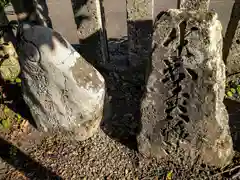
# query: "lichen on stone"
{"points": [[9, 64]]}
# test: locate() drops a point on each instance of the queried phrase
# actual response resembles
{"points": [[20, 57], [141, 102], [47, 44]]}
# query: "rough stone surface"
{"points": [[195, 4], [63, 91], [183, 110], [139, 22]]}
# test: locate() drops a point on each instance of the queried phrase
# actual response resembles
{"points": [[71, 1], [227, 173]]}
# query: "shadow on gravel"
{"points": [[233, 108], [125, 84], [231, 29], [24, 163]]}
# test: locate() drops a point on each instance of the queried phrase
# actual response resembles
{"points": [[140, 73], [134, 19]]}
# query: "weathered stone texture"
{"points": [[86, 17], [62, 90], [183, 110], [195, 4]]}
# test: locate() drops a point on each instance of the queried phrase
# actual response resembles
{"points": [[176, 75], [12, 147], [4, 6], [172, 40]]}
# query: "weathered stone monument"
{"points": [[63, 91], [183, 110]]}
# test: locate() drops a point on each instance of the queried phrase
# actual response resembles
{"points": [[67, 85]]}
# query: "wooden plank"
{"points": [[61, 14]]}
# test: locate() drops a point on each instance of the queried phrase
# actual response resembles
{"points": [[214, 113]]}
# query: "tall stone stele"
{"points": [[183, 111], [63, 91]]}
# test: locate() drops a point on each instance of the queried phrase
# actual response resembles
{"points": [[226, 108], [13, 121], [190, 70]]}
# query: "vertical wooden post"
{"points": [[139, 21], [89, 17], [195, 5], [8, 36], [231, 42], [102, 28]]}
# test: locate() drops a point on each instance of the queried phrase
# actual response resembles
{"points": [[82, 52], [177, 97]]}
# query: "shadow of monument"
{"points": [[23, 163]]}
